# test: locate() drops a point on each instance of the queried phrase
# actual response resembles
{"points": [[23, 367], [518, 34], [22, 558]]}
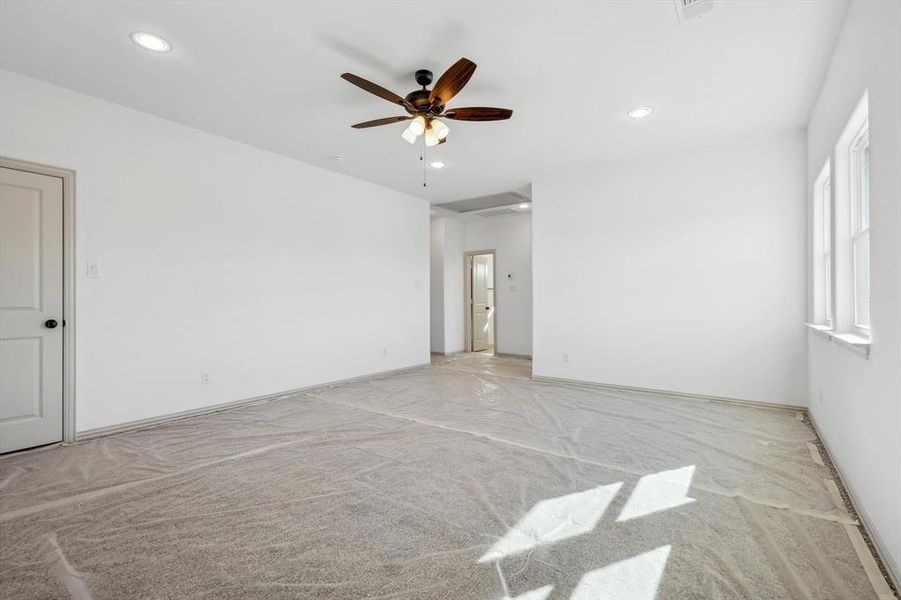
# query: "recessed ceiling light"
{"points": [[640, 112], [150, 42], [437, 164], [525, 206]]}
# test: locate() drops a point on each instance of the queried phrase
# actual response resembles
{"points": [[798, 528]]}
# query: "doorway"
{"points": [[36, 306], [481, 302]]}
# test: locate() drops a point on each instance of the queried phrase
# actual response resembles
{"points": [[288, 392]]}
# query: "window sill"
{"points": [[823, 330], [855, 343]]}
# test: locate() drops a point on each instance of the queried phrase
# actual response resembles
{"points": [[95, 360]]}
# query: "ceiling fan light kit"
{"points": [[409, 135], [435, 133], [420, 126], [417, 126], [441, 130]]}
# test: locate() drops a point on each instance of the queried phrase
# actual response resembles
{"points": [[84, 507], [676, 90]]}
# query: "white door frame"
{"points": [[467, 296], [68, 177]]}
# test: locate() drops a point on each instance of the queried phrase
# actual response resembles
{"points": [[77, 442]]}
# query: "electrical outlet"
{"points": [[204, 378], [566, 357]]}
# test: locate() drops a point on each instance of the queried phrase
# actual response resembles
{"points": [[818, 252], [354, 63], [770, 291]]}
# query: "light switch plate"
{"points": [[94, 271]]}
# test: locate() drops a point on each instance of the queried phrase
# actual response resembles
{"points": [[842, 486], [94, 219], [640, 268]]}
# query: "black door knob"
{"points": [[50, 324]]}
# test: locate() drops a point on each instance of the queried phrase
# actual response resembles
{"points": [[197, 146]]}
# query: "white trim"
{"points": [[822, 298], [855, 343], [89, 434], [68, 177], [823, 330], [858, 232], [685, 395], [467, 296], [512, 355]]}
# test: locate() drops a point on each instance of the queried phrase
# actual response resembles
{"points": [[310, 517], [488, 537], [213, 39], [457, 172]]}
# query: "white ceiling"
{"points": [[267, 73]]}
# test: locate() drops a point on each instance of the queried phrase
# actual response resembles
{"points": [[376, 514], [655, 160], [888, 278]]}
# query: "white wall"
{"points": [[859, 415], [436, 285], [683, 273], [268, 273], [454, 334], [447, 285], [511, 237]]}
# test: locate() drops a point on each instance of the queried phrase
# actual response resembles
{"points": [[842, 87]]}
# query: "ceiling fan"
{"points": [[426, 106]]}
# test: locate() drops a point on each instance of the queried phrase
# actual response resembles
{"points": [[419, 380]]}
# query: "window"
{"points": [[840, 239], [860, 230], [822, 248], [826, 201]]}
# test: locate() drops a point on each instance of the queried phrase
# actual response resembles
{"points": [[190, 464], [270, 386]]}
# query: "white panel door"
{"points": [[31, 309], [480, 307]]}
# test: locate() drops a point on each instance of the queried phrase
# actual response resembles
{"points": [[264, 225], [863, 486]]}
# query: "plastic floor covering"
{"points": [[463, 480]]}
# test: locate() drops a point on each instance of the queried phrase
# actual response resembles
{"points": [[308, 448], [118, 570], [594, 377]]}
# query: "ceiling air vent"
{"points": [[689, 9], [496, 212]]}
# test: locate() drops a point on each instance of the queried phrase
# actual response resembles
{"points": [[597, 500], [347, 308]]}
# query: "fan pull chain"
{"points": [[422, 157]]}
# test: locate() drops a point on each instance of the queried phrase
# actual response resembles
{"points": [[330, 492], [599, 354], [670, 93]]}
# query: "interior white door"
{"points": [[480, 307], [31, 309]]}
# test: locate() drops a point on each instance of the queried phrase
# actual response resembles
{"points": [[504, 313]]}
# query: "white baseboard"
{"points": [[858, 508], [507, 354], [513, 355], [187, 414], [724, 399]]}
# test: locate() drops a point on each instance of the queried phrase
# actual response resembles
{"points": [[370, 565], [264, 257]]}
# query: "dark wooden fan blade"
{"points": [[453, 80], [377, 122], [375, 89], [478, 113]]}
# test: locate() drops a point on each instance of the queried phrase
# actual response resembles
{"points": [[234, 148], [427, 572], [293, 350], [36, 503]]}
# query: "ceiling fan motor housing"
{"points": [[420, 102]]}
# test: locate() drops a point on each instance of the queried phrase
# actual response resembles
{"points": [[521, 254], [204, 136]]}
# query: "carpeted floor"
{"points": [[465, 480]]}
